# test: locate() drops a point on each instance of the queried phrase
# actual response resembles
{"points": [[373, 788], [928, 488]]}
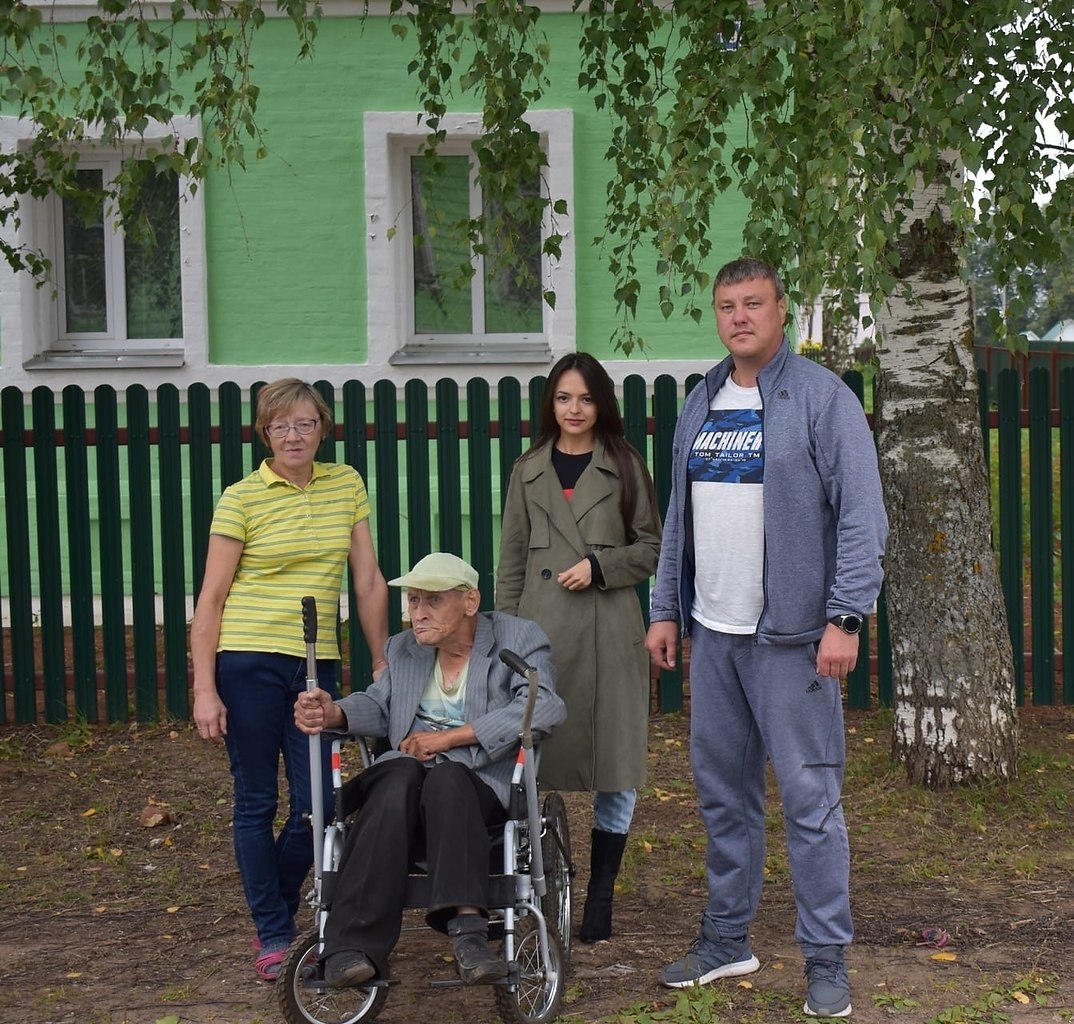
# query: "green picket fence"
{"points": [[108, 498]]}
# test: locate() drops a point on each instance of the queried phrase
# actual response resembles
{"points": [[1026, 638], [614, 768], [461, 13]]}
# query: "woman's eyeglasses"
{"points": [[281, 430]]}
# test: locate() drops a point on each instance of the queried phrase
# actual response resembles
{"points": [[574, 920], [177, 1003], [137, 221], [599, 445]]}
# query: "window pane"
{"points": [[442, 303], [85, 295], [513, 274], [151, 256]]}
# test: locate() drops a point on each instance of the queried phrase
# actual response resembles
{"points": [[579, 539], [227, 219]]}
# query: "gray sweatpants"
{"points": [[749, 701]]}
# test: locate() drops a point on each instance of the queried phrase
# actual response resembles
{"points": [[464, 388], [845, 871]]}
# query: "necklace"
{"points": [[449, 686]]}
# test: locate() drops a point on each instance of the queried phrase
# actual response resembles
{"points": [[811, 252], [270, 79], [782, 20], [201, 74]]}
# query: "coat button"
{"points": [[546, 574]]}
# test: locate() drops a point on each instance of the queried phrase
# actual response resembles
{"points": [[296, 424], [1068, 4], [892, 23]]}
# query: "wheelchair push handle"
{"points": [[517, 665], [309, 619], [514, 662]]}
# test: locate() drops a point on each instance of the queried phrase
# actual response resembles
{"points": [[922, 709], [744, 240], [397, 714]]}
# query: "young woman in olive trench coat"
{"points": [[580, 529]]}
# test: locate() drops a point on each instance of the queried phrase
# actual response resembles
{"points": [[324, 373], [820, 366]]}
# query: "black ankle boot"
{"points": [[605, 856], [475, 962]]}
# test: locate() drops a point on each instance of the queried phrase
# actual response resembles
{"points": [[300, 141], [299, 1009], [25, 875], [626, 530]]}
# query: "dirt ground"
{"points": [[111, 916]]}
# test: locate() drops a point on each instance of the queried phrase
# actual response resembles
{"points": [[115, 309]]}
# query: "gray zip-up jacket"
{"points": [[824, 520]]}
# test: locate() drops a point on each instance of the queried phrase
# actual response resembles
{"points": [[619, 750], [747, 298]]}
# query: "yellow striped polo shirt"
{"points": [[295, 544]]}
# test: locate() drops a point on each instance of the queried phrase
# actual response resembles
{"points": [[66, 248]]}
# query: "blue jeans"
{"points": [[613, 811], [259, 691]]}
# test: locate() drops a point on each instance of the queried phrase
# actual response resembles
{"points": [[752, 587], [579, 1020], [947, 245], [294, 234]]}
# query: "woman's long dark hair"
{"points": [[608, 428]]}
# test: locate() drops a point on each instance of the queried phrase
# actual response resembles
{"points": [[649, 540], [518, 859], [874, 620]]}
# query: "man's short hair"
{"points": [[747, 269]]}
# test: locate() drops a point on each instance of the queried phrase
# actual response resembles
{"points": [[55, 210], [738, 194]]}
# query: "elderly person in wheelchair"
{"points": [[451, 712]]}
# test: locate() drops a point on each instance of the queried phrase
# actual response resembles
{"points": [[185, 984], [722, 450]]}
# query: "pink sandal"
{"points": [[268, 964]]}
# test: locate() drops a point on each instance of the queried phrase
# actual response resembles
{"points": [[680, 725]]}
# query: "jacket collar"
{"points": [[770, 372], [546, 493]]}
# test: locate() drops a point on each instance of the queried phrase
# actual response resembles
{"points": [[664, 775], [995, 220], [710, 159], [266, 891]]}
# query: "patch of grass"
{"points": [[76, 733], [692, 1006], [782, 1005], [683, 851], [970, 833], [989, 1007], [572, 994], [894, 1002]]}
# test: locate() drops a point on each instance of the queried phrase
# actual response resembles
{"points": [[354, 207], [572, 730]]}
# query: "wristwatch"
{"points": [[847, 623]]}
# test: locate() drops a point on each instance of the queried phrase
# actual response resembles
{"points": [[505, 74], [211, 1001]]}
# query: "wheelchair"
{"points": [[529, 903]]}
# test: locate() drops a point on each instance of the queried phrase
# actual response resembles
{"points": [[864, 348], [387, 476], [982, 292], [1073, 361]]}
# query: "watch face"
{"points": [[850, 623]]}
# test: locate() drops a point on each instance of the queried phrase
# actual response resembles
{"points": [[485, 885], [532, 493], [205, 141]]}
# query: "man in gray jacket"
{"points": [[771, 559], [452, 714]]}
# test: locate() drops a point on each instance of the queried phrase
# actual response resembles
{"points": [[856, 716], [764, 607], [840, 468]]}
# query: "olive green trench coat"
{"points": [[597, 634]]}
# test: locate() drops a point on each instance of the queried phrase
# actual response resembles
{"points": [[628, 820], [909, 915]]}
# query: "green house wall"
{"points": [[285, 237]]}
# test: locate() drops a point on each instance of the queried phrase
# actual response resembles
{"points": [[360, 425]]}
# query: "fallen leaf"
{"points": [[1021, 997], [647, 846], [61, 748], [945, 957], [73, 974], [90, 813], [152, 816], [99, 910], [777, 966], [173, 910], [745, 984], [170, 1019]]}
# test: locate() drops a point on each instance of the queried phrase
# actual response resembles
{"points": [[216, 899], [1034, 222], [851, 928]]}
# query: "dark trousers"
{"points": [[407, 811]]}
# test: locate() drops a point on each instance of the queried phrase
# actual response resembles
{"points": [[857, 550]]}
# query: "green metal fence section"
{"points": [[108, 499]]}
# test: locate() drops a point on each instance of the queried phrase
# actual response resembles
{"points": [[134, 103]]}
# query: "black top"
{"points": [[569, 468]]}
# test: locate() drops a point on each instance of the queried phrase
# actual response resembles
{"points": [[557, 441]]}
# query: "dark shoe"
{"points": [[605, 856], [828, 993], [710, 959], [474, 960], [348, 969]]}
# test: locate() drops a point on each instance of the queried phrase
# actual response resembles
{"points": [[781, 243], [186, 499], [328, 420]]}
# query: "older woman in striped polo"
{"points": [[286, 531]]}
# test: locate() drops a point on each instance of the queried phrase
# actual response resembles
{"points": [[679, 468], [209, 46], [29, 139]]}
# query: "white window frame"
{"points": [[32, 314], [391, 138]]}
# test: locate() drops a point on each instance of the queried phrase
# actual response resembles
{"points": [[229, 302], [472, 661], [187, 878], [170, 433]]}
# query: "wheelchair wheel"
{"points": [[303, 1001], [538, 996], [556, 904]]}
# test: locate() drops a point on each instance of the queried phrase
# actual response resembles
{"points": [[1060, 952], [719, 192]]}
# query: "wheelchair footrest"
{"points": [[318, 984], [511, 979]]}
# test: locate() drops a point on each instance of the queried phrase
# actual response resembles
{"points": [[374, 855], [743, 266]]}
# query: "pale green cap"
{"points": [[439, 571]]}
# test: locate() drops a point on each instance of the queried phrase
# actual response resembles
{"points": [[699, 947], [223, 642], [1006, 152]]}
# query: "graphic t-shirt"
{"points": [[726, 473]]}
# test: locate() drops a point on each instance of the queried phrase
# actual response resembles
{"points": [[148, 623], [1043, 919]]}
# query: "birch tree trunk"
{"points": [[954, 695]]}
